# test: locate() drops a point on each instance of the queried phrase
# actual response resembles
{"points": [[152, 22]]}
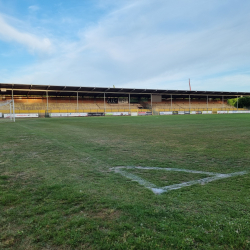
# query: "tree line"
{"points": [[243, 102]]}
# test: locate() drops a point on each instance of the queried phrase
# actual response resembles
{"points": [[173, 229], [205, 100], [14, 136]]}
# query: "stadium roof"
{"points": [[30, 89]]}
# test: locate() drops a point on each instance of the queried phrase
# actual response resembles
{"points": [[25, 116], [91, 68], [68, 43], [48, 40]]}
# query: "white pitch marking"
{"points": [[137, 179], [159, 190]]}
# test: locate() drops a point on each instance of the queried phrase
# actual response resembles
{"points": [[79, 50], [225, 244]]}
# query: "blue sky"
{"points": [[130, 44]]}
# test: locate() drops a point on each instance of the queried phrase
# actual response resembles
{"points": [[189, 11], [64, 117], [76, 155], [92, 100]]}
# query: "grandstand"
{"points": [[43, 99]]}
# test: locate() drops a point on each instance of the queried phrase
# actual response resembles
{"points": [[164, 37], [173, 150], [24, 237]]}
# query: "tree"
{"points": [[232, 102], [244, 102]]}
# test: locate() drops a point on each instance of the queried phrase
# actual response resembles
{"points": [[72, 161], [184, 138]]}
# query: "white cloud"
{"points": [[34, 8], [32, 42], [143, 44]]}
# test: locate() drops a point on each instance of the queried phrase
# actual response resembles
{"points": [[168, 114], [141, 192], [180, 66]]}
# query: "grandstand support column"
{"points": [[47, 102], [222, 102], [207, 102], [151, 104], [129, 103], [13, 107], [171, 103], [77, 102], [104, 104], [189, 104]]}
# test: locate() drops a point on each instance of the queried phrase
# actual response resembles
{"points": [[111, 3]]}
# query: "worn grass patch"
{"points": [[57, 190]]}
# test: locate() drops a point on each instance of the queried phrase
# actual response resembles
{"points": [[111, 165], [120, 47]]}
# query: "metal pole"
{"points": [[189, 103], [171, 103], [77, 101], [151, 104], [207, 102], [129, 103], [47, 101], [14, 111], [222, 102], [12, 106], [104, 104], [237, 102], [10, 112]]}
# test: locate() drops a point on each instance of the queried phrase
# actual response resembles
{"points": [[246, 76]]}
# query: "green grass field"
{"points": [[57, 190]]}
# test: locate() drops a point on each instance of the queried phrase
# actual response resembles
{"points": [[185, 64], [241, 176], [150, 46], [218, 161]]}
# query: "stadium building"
{"points": [[44, 100]]}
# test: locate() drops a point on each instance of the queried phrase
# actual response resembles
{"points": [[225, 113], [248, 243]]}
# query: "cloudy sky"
{"points": [[127, 43]]}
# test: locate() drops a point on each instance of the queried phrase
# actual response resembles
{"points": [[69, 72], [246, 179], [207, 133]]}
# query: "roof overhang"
{"points": [[52, 90]]}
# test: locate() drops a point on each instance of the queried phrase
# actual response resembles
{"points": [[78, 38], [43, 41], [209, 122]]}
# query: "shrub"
{"points": [[232, 102]]}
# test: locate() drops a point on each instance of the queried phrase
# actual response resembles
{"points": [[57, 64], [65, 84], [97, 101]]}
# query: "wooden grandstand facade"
{"points": [[44, 99]]}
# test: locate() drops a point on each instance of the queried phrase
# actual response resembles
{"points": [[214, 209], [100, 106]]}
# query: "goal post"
{"points": [[7, 109]]}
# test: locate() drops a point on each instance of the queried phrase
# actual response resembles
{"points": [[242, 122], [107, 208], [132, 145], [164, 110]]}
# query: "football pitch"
{"points": [[155, 182]]}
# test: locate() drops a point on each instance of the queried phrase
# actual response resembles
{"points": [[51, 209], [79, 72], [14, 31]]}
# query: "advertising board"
{"points": [[166, 113], [67, 114], [22, 115], [186, 112], [96, 114], [244, 111], [206, 112], [117, 113], [195, 112], [181, 113], [238, 112], [144, 113], [222, 112]]}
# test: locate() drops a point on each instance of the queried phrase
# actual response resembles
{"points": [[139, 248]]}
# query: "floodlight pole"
{"points": [[237, 102], [207, 102]]}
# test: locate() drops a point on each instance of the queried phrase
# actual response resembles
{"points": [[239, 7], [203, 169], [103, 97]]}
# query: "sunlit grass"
{"points": [[57, 189]]}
